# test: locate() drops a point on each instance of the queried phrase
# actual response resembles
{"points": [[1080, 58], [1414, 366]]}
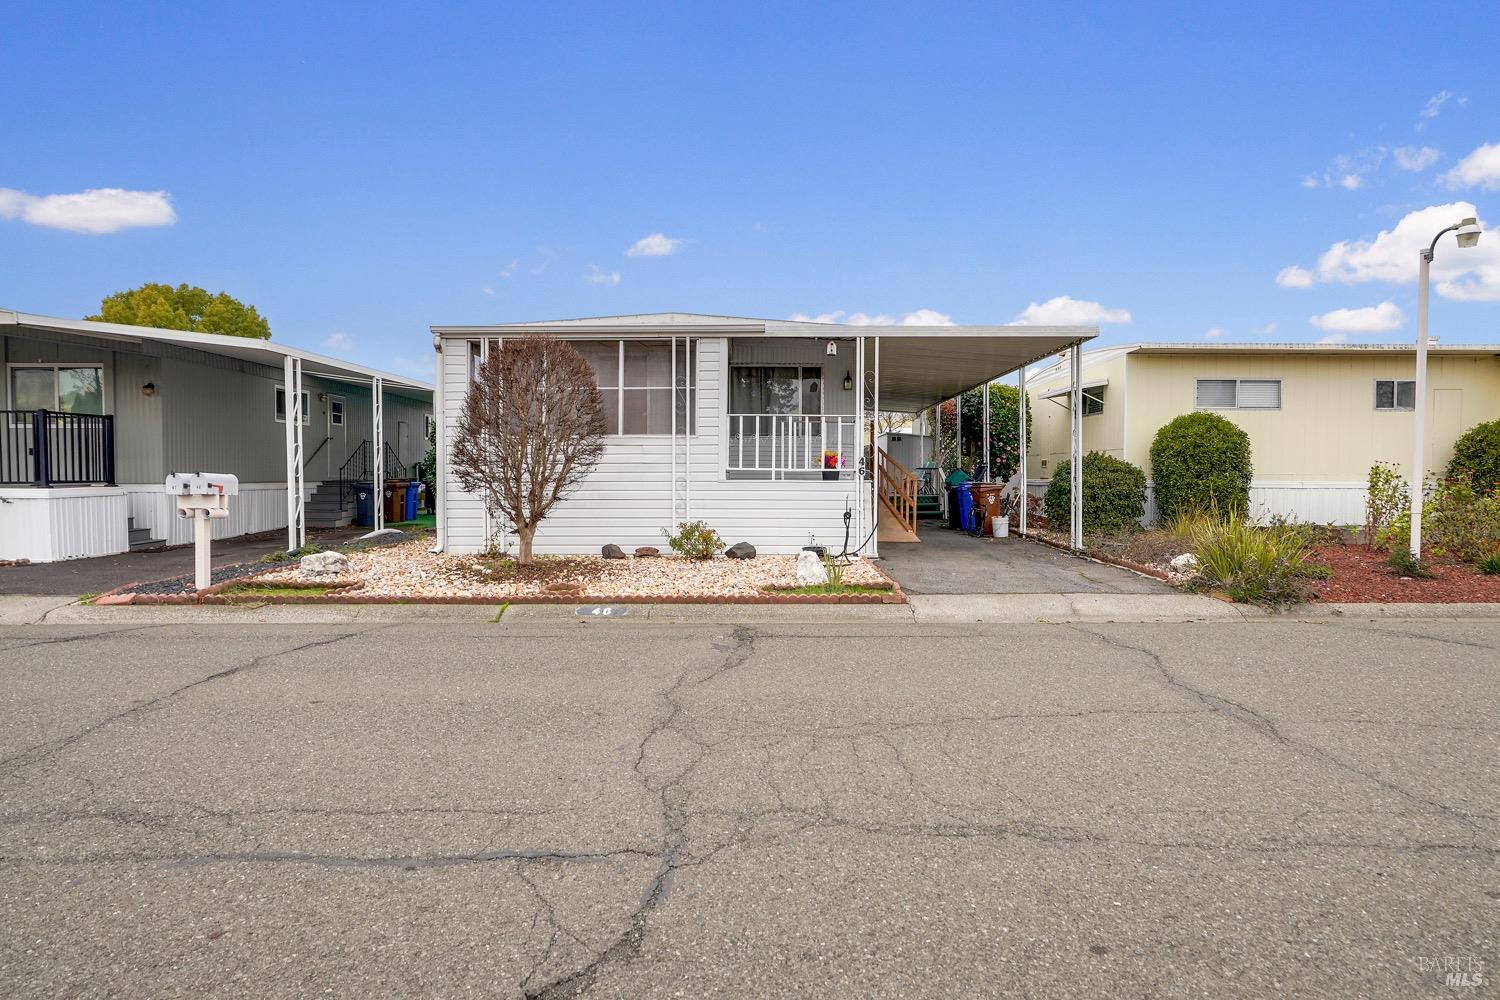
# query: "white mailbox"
{"points": [[204, 497]]}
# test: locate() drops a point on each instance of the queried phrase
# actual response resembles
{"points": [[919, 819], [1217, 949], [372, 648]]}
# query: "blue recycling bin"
{"points": [[961, 508], [413, 491], [363, 514]]}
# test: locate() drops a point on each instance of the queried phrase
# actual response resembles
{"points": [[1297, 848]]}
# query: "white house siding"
{"points": [[64, 523], [258, 507], [627, 499]]}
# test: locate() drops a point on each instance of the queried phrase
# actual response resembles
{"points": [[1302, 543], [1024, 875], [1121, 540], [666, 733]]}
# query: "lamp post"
{"points": [[1467, 232]]}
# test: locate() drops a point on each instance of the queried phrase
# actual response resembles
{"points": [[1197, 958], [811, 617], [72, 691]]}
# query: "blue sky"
{"points": [[360, 173]]}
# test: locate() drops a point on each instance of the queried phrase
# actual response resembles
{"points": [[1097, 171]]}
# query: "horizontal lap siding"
{"points": [[627, 499]]}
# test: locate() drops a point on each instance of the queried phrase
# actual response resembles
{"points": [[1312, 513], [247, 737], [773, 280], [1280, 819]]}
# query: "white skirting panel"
{"points": [[1311, 501], [258, 507], [49, 525]]}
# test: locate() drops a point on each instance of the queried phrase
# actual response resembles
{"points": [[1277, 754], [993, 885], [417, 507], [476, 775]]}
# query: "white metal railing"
{"points": [[777, 444]]}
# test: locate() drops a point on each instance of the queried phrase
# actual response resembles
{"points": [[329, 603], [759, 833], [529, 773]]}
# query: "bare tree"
{"points": [[532, 428]]}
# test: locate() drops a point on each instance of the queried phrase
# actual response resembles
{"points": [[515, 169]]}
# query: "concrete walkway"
{"points": [[950, 562]]}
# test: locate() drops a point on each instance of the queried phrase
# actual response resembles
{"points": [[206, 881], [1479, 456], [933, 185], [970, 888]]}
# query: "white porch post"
{"points": [[378, 463], [1075, 484], [875, 459], [1025, 497], [291, 382], [958, 431], [440, 472], [672, 509], [988, 477], [859, 444]]}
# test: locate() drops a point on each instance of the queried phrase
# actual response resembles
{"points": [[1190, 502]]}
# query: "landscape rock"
{"points": [[810, 570], [740, 550], [1185, 563], [324, 564], [647, 551], [613, 551]]}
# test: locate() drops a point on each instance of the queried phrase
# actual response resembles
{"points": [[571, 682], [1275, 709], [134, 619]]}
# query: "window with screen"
{"points": [[65, 388], [1238, 394], [635, 381], [281, 406], [1395, 394]]}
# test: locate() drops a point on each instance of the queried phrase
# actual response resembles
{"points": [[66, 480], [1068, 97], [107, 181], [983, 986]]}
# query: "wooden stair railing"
{"points": [[898, 489]]}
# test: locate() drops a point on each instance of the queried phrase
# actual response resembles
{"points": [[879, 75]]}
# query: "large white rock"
{"points": [[324, 564], [1185, 563], [810, 571]]}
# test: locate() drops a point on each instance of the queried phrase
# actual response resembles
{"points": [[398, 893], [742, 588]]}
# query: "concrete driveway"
{"points": [[951, 562], [844, 810], [95, 576]]}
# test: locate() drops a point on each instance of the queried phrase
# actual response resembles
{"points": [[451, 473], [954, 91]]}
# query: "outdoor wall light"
{"points": [[149, 389], [322, 397], [848, 381], [833, 348]]}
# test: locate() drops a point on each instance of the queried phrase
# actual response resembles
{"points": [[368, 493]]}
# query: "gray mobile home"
{"points": [[97, 414]]}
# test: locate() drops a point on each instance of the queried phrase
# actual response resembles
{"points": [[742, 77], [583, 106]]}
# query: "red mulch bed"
{"points": [[1360, 576]]}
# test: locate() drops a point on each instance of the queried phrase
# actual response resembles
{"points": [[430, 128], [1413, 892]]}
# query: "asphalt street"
{"points": [[618, 809]]}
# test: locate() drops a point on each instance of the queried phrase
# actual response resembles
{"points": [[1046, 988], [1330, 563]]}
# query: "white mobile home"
{"points": [[97, 414], [762, 428]]}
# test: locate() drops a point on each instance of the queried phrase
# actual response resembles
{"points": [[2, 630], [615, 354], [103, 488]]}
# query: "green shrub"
{"points": [[1387, 503], [694, 539], [1476, 457], [1490, 564], [1460, 521], [1114, 494], [1403, 563], [1201, 460], [1253, 565]]}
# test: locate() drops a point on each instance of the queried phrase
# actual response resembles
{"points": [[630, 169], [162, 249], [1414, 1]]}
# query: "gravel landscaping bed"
{"points": [[411, 571]]}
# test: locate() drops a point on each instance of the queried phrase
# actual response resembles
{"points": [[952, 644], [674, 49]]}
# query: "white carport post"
{"points": [[1075, 466], [377, 463], [1025, 496], [859, 446], [440, 438], [985, 431], [291, 387], [875, 460]]}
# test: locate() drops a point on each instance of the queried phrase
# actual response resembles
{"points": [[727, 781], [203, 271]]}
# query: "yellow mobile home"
{"points": [[1318, 415]]}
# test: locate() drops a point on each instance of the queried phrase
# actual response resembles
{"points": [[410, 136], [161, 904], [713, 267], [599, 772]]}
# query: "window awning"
{"points": [[1098, 383]]}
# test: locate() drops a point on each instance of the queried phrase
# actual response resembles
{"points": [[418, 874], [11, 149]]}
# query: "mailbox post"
{"points": [[204, 498]]}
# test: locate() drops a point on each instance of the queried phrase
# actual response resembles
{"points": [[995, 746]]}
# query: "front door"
{"points": [[403, 447], [338, 435]]}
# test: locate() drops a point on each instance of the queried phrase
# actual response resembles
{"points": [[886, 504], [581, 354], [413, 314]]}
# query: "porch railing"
{"points": [[777, 444], [51, 448], [360, 468]]}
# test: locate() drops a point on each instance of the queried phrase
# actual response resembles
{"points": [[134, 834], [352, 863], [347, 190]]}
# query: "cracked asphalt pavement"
{"points": [[609, 809]]}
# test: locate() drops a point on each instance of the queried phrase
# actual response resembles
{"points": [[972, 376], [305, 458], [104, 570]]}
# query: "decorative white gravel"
{"points": [[412, 570]]}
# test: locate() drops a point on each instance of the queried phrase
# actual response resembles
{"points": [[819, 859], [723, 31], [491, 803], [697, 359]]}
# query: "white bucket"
{"points": [[1000, 526]]}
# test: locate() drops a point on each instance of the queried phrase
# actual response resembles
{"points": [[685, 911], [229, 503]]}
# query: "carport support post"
{"points": [[291, 388], [875, 460], [377, 463], [1075, 465], [1025, 496], [987, 477]]}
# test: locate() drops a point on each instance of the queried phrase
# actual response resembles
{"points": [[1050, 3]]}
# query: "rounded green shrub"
{"points": [[1476, 456], [1114, 494], [1201, 462]]}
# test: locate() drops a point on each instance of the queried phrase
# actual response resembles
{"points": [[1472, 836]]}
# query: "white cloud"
{"points": [[1267, 330], [599, 276], [95, 211], [917, 317], [1414, 158], [509, 269], [1067, 311], [1370, 319], [1333, 338], [1294, 277], [1435, 104], [1480, 169], [338, 342], [1216, 333], [655, 245], [488, 290], [1464, 274]]}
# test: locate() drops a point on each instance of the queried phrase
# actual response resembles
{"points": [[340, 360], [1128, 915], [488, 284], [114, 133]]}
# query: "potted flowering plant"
{"points": [[830, 465]]}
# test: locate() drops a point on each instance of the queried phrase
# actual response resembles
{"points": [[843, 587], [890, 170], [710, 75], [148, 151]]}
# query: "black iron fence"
{"points": [[48, 448]]}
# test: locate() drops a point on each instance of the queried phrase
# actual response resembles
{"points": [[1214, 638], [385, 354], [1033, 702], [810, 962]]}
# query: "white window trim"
{"points": [[10, 389], [306, 405], [1280, 387], [342, 413], [1395, 407]]}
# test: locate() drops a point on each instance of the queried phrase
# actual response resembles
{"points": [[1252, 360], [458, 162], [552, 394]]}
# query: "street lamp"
{"points": [[1467, 232]]}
